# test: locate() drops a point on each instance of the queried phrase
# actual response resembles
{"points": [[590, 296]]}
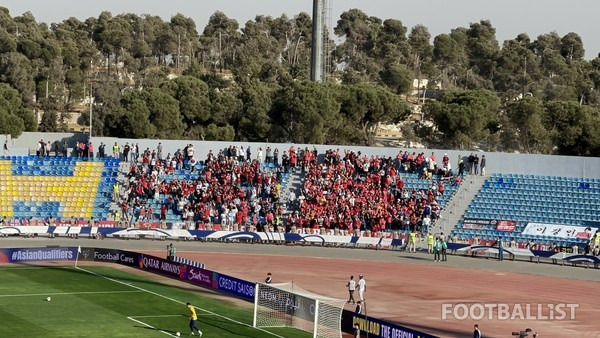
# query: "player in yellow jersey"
{"points": [[193, 319]]}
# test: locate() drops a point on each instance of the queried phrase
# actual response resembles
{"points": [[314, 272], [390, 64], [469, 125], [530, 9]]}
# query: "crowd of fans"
{"points": [[344, 190], [351, 191], [347, 191], [229, 189]]}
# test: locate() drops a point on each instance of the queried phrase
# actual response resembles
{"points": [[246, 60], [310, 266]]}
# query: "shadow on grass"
{"points": [[124, 276], [417, 258], [225, 327]]}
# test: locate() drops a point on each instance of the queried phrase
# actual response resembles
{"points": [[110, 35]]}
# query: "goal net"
{"points": [[287, 305]]}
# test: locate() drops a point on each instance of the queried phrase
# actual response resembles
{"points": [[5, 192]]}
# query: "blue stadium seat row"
{"points": [[537, 199]]}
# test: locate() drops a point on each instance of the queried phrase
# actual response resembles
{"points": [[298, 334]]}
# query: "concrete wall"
{"points": [[587, 167], [549, 165], [27, 142]]}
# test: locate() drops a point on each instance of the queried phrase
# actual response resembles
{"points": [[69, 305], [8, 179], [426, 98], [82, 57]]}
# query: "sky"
{"points": [[509, 17]]}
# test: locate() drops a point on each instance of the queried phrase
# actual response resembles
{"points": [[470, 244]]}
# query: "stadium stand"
{"points": [[530, 199], [353, 192], [56, 187], [221, 190]]}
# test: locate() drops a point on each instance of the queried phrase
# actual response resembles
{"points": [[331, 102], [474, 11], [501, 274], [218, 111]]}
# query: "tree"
{"points": [[482, 47], [250, 83], [392, 46], [464, 117], [193, 97], [148, 113], [218, 40], [517, 68], [360, 34], [15, 70], [446, 53], [7, 42], [259, 53], [254, 122], [572, 47], [305, 112], [164, 113], [420, 47], [185, 30], [226, 104], [575, 128], [397, 78], [133, 120], [12, 114], [215, 133], [364, 106], [526, 118], [116, 37]]}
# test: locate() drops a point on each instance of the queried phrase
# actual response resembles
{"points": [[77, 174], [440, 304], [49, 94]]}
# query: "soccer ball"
{"points": [[178, 334], [48, 299]]}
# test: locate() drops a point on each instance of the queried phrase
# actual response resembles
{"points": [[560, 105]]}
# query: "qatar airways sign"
{"points": [[162, 266]]}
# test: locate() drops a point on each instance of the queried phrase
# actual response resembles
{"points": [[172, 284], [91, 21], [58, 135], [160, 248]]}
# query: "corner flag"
{"points": [[78, 252]]}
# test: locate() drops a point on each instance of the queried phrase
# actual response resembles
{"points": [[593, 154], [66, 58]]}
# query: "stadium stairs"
{"points": [[458, 204], [295, 183], [124, 168], [455, 207]]}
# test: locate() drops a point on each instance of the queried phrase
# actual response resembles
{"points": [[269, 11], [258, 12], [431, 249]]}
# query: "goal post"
{"points": [[287, 305]]}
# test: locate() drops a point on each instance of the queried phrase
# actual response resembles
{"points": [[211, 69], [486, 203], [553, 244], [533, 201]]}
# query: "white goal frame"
{"points": [[287, 305]]}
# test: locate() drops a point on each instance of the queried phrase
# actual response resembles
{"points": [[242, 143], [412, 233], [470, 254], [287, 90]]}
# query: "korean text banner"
{"points": [[559, 231]]}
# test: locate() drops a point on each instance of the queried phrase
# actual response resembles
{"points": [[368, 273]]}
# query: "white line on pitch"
{"points": [[34, 267], [159, 316], [177, 301], [152, 327], [70, 293]]}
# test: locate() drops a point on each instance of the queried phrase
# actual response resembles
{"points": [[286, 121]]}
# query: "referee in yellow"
{"points": [[193, 319]]}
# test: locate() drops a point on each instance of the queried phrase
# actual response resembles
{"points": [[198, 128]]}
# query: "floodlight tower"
{"points": [[320, 40]]}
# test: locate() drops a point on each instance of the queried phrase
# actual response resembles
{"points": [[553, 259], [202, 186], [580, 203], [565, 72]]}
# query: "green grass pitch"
{"points": [[99, 301]]}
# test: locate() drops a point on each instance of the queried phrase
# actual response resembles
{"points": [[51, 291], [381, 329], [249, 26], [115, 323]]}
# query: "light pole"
{"points": [[91, 93]]}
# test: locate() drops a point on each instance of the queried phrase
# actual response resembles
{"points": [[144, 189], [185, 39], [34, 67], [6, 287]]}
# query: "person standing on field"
{"points": [[476, 332], [412, 243], [500, 245], [351, 287], [193, 319], [482, 165], [269, 278], [444, 246], [358, 310], [356, 331], [362, 287], [436, 250], [430, 243], [171, 252]]}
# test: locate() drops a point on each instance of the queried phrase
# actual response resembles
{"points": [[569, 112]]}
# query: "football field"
{"points": [[99, 301]]}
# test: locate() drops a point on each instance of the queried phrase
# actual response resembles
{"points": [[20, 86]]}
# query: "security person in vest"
{"points": [[116, 150], [412, 242], [430, 243]]}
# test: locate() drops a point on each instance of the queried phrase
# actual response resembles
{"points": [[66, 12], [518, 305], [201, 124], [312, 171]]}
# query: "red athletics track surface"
{"points": [[411, 294]]}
